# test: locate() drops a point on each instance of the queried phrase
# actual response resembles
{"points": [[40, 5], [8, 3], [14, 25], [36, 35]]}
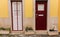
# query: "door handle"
{"points": [[40, 15]]}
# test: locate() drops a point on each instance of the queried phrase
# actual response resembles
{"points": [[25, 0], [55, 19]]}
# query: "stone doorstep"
{"points": [[29, 35], [4, 32], [29, 32], [7, 32], [53, 33]]}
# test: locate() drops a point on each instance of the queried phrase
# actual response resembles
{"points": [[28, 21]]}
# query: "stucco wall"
{"points": [[54, 8], [54, 13], [59, 15], [28, 12], [4, 8], [4, 14]]}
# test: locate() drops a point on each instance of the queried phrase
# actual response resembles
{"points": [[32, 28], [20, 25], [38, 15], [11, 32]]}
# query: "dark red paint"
{"points": [[41, 21]]}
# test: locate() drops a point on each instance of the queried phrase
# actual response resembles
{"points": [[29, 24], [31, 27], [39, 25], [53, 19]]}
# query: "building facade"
{"points": [[30, 16]]}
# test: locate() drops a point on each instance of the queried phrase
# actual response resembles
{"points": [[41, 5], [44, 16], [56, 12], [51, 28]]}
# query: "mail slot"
{"points": [[40, 15]]}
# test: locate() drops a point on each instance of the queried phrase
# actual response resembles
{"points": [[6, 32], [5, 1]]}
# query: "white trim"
{"points": [[9, 10], [48, 15], [34, 13]]}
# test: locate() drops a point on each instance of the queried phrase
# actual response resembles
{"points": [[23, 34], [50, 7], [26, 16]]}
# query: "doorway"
{"points": [[17, 15], [41, 15]]}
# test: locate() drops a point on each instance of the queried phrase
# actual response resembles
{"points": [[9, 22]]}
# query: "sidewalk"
{"points": [[28, 35]]}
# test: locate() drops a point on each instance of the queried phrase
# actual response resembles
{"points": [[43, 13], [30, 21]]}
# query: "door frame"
{"points": [[48, 17], [10, 15]]}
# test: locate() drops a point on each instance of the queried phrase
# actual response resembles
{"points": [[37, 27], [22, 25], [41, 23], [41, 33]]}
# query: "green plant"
{"points": [[51, 30], [2, 28], [8, 29], [28, 29]]}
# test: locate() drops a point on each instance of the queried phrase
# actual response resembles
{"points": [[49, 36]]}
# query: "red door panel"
{"points": [[41, 15]]}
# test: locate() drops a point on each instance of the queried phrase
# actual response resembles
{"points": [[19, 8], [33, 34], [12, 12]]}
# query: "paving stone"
{"points": [[4, 35], [44, 36], [54, 36], [20, 35], [15, 36], [32, 36], [59, 35], [38, 35], [29, 35], [0, 35], [11, 35]]}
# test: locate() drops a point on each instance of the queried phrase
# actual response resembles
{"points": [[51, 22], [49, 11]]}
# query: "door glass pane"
{"points": [[14, 20], [40, 7], [19, 5], [19, 17], [19, 23], [13, 5]]}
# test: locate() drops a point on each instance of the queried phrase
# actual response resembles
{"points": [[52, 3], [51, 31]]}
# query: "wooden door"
{"points": [[41, 15]]}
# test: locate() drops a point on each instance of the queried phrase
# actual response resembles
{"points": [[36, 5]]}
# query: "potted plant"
{"points": [[52, 28], [28, 29], [4, 30]]}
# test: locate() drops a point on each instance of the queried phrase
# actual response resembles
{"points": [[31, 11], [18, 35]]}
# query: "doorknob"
{"points": [[40, 15]]}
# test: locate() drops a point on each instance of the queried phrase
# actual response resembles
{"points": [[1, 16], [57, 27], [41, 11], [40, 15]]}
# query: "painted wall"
{"points": [[59, 15], [54, 13], [28, 9], [3, 8], [53, 8]]}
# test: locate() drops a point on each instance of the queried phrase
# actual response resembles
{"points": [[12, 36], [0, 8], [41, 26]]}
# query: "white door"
{"points": [[17, 16]]}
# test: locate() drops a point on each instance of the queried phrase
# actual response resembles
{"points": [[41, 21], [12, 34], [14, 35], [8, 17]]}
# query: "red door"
{"points": [[41, 15]]}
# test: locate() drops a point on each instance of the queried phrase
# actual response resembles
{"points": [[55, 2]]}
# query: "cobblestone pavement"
{"points": [[28, 36]]}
